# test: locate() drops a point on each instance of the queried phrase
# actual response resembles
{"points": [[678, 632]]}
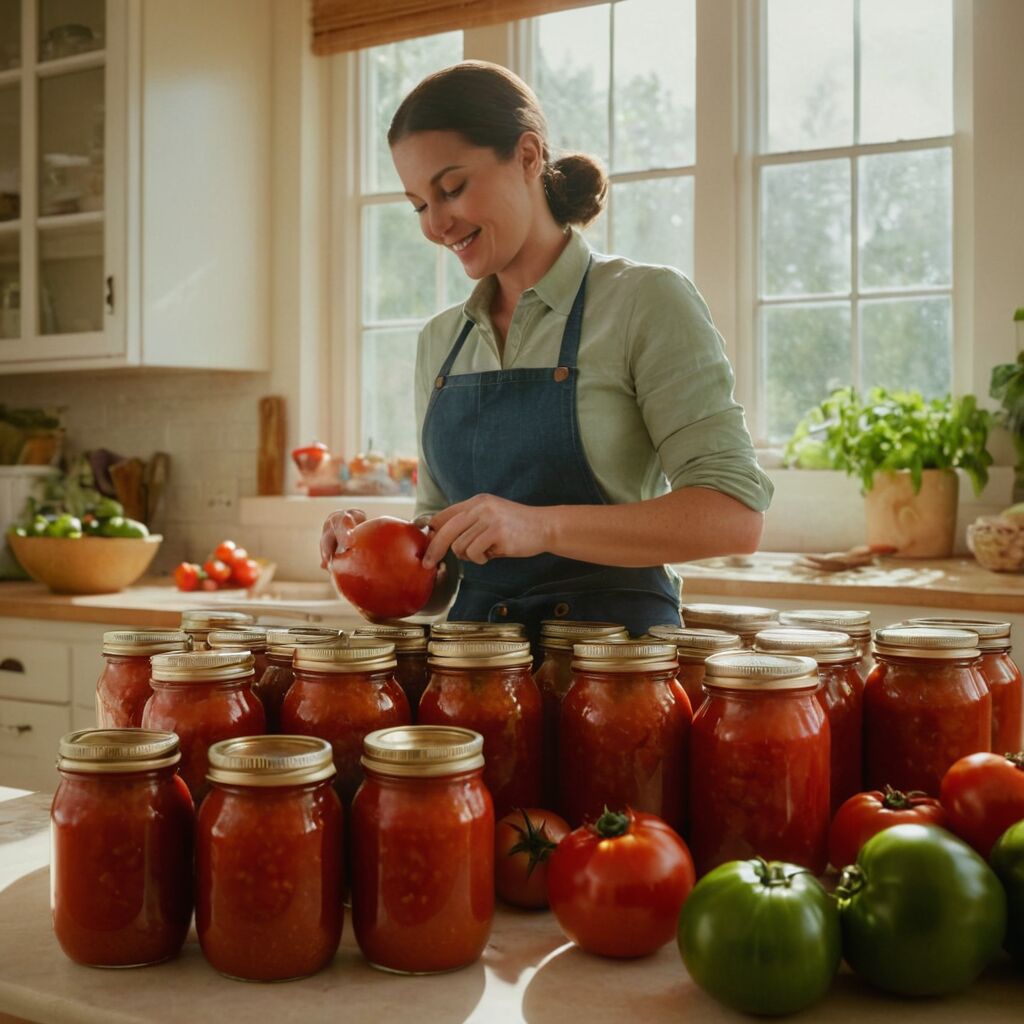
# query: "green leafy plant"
{"points": [[892, 431], [1007, 385]]}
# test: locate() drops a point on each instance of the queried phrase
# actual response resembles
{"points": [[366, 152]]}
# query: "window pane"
{"points": [[389, 361], [652, 221], [71, 280], [390, 72], [655, 87], [10, 153], [806, 356], [10, 34], [805, 228], [67, 27], [906, 219], [809, 78], [571, 61], [399, 264], [907, 343], [906, 87], [10, 286]]}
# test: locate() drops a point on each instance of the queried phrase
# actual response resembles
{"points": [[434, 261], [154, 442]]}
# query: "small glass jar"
{"points": [[694, 647], [278, 676], [121, 848], [341, 694], [198, 622], [252, 639], [925, 706], [456, 630], [123, 686], [855, 623], [410, 643], [745, 621], [841, 697], [623, 733], [487, 686], [759, 763], [269, 884], [554, 677], [203, 696], [422, 850]]}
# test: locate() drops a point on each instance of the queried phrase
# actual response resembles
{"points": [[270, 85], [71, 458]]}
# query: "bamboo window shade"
{"points": [[340, 25]]}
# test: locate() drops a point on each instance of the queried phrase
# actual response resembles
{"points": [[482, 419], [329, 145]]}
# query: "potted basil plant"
{"points": [[904, 448]]}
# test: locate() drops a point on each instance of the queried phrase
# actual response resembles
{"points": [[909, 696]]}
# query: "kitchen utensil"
{"points": [[127, 477], [270, 461]]}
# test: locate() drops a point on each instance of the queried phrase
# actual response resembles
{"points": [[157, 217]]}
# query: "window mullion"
{"points": [[856, 370]]}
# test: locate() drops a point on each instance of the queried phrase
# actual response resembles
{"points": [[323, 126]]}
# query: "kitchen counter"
{"points": [[527, 973]]}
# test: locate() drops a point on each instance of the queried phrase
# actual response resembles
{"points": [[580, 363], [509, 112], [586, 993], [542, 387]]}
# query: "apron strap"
{"points": [[573, 326], [446, 367]]}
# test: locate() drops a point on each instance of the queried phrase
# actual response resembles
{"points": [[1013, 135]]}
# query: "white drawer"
{"points": [[36, 670], [86, 666], [29, 737]]}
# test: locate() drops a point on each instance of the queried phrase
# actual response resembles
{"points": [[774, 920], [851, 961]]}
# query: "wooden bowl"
{"points": [[85, 565]]}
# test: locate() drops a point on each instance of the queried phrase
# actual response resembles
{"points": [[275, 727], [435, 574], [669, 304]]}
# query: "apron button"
{"points": [[561, 373], [561, 609], [502, 611], [439, 383]]}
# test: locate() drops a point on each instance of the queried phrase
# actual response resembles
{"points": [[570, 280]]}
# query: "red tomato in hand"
{"points": [[187, 576], [617, 886], [225, 551], [245, 571], [381, 571], [866, 814], [218, 571], [523, 842], [983, 795]]}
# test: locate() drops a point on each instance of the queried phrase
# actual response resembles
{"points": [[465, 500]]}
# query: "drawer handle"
{"points": [[12, 665], [16, 729]]}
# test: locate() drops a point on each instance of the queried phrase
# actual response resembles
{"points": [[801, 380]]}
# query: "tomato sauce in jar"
{"points": [[121, 848], [278, 676], [694, 647], [759, 763], [554, 677], [269, 884], [623, 733], [423, 850], [855, 623], [411, 672], [745, 621], [252, 639], [198, 622], [925, 706], [841, 697], [123, 686], [487, 686], [203, 696]]}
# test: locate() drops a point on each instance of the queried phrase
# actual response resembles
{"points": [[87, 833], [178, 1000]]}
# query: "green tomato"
{"points": [[39, 526], [922, 914], [761, 937], [118, 526], [1007, 860], [107, 508], [65, 526]]}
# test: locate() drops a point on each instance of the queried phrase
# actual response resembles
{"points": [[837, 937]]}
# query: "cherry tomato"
{"points": [[224, 550], [245, 572], [187, 576], [866, 814], [616, 886], [218, 571], [523, 842], [208, 584], [983, 795], [238, 555], [381, 571]]}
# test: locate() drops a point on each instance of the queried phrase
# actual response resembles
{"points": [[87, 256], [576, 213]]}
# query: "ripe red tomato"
{"points": [[983, 795], [866, 814], [187, 576], [381, 571], [523, 842], [245, 571], [218, 571], [617, 886], [225, 550]]}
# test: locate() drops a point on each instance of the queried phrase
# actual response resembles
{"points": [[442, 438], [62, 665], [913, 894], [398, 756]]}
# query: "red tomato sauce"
{"points": [[122, 691], [271, 688], [842, 698], [1003, 678], [554, 677]]}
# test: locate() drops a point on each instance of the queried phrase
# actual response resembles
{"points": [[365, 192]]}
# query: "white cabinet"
{"points": [[134, 183]]}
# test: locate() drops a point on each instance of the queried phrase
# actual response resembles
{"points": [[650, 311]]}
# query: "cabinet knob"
{"points": [[110, 294], [16, 729], [12, 665]]}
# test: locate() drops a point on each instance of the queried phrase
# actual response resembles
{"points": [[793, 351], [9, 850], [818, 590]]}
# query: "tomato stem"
{"points": [[772, 873], [532, 840], [1017, 760], [612, 824], [897, 800], [851, 880]]}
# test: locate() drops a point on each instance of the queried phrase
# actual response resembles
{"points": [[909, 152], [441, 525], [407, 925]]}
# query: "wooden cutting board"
{"points": [[270, 460]]}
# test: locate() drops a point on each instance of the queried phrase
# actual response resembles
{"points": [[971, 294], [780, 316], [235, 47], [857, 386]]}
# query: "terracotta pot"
{"points": [[921, 525]]}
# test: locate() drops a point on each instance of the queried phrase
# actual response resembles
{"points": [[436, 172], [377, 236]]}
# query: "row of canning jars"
{"points": [[262, 863]]}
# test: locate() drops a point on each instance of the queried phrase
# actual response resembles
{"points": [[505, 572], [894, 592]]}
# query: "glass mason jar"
{"points": [[746, 621], [252, 639], [278, 676], [410, 643], [341, 694], [759, 763], [925, 706], [456, 630], [198, 622], [269, 884], [121, 848], [841, 697], [855, 623], [1001, 675], [203, 696], [487, 686], [123, 686], [422, 850], [623, 733], [554, 677], [693, 647]]}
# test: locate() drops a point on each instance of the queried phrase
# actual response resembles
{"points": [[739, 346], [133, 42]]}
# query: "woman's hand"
{"points": [[485, 527], [334, 535]]}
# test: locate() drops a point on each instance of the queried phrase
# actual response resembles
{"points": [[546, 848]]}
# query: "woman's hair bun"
{"points": [[576, 187]]}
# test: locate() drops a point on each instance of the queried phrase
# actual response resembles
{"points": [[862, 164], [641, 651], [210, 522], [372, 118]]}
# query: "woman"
{"points": [[578, 429]]}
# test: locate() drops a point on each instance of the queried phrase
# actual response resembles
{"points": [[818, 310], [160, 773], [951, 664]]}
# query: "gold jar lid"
{"points": [[625, 656], [458, 630], [735, 618], [283, 641], [202, 620], [117, 750], [932, 642], [694, 644], [993, 635], [826, 647], [252, 638], [561, 634], [750, 670], [853, 622], [265, 761], [407, 639], [202, 666], [359, 654], [145, 642], [423, 751], [479, 653]]}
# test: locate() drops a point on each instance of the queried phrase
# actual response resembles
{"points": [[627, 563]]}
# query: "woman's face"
{"points": [[467, 199]]}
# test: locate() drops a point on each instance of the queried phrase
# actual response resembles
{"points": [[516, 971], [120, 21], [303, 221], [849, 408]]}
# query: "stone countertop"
{"points": [[529, 972]]}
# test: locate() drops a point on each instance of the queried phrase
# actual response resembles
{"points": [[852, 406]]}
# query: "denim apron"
{"points": [[515, 434]]}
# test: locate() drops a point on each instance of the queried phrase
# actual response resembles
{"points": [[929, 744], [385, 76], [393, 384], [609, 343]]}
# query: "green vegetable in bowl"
{"points": [[65, 525], [119, 526], [107, 508]]}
